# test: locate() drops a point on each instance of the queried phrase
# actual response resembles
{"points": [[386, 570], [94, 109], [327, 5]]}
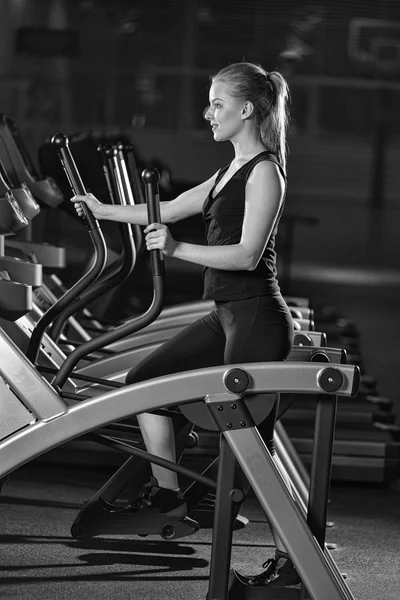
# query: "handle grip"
{"points": [[105, 151], [60, 143], [150, 179], [129, 152]]}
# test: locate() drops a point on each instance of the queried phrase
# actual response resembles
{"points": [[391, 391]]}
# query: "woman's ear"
{"points": [[247, 110]]}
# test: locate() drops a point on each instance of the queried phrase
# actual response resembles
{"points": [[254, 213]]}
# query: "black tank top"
{"points": [[223, 217]]}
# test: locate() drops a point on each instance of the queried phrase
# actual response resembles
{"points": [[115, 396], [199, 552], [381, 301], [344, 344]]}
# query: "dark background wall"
{"points": [[143, 67]]}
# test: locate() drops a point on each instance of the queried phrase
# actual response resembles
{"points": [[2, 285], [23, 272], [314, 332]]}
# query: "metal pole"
{"points": [[223, 520], [320, 477]]}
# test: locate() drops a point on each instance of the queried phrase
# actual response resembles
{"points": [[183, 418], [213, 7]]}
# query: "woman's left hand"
{"points": [[158, 237]]}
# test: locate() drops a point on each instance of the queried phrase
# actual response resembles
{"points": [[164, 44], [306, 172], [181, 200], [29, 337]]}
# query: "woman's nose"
{"points": [[207, 113]]}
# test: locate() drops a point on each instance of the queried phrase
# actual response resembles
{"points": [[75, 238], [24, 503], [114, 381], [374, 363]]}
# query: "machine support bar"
{"points": [[224, 516], [324, 431], [162, 462], [321, 576], [299, 488], [293, 454]]}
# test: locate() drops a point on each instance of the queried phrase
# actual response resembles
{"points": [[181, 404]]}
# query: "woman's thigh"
{"points": [[258, 330], [198, 345]]}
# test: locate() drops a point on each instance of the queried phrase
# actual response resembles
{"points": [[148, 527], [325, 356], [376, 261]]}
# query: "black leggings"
{"points": [[256, 329]]}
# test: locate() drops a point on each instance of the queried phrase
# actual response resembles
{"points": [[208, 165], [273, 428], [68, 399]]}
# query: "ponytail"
{"points": [[275, 117]]}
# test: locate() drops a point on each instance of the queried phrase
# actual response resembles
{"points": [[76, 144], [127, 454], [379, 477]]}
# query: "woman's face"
{"points": [[224, 112]]}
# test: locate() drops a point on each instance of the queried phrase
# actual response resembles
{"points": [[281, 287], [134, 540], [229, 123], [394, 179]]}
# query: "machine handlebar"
{"points": [[60, 143], [151, 178]]}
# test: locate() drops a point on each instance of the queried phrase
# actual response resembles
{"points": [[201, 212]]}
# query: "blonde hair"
{"points": [[269, 94]]}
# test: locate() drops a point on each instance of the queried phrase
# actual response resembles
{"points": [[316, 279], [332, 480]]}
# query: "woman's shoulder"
{"points": [[267, 157], [265, 164]]}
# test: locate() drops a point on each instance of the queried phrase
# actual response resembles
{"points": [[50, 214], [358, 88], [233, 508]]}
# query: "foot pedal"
{"points": [[114, 508], [179, 529], [154, 523], [205, 517], [238, 589]]}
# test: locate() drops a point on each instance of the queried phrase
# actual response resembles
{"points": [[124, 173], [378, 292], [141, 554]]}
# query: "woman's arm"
{"points": [[185, 205], [264, 194]]}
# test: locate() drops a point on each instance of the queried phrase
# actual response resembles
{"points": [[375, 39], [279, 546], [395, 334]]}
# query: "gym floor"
{"points": [[41, 560], [38, 503]]}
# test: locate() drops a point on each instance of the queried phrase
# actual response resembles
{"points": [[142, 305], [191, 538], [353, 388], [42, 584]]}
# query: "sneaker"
{"points": [[279, 573], [164, 501], [285, 575]]}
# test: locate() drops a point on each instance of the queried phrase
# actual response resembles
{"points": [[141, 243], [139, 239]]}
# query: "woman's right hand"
{"points": [[94, 205]]}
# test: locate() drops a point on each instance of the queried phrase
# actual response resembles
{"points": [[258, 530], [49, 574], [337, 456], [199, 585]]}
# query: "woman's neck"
{"points": [[246, 150]]}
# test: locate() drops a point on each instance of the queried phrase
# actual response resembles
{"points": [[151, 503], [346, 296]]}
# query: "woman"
{"points": [[241, 204]]}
